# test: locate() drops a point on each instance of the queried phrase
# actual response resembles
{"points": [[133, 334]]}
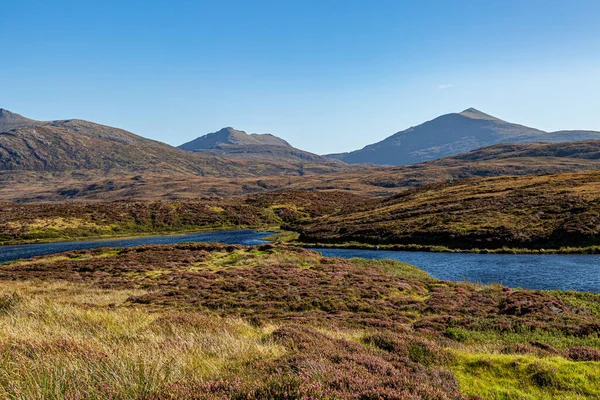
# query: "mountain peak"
{"points": [[229, 136], [230, 129], [4, 113], [474, 113], [10, 120]]}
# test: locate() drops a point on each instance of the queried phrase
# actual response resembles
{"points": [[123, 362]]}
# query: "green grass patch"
{"points": [[393, 267], [514, 377]]}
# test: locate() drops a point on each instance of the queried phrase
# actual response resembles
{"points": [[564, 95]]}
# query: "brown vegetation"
{"points": [[241, 178], [548, 211], [163, 322], [60, 221]]}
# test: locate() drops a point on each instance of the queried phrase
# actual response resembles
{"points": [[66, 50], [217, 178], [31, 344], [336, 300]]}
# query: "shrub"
{"points": [[583, 353]]}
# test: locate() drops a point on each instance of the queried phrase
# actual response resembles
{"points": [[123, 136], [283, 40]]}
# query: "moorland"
{"points": [[208, 321], [551, 212]]}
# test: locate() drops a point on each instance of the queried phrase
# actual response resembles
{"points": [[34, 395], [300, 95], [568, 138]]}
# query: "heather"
{"points": [[48, 222], [539, 212], [217, 321]]}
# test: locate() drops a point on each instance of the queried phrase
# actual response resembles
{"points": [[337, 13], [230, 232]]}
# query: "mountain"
{"points": [[233, 143], [452, 134], [81, 145], [77, 145], [10, 120], [374, 181], [232, 137], [496, 160]]}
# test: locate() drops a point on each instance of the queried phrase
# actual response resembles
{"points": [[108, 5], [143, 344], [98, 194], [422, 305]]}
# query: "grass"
{"points": [[294, 239], [500, 377], [533, 213], [71, 341], [32, 223], [210, 321], [537, 214]]}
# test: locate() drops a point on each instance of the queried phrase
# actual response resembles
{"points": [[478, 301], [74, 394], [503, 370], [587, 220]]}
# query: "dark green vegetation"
{"points": [[453, 134], [207, 321], [535, 211]]}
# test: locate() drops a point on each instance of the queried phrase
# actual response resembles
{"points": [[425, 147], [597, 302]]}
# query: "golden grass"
{"points": [[61, 339]]}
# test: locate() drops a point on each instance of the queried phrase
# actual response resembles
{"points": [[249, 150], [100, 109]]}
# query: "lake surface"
{"points": [[246, 237], [548, 271], [533, 271]]}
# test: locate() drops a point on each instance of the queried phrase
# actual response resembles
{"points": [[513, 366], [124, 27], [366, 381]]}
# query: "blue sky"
{"points": [[325, 75]]}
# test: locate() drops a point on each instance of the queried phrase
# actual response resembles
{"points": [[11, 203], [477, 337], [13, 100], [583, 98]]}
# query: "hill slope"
{"points": [[10, 120], [232, 143], [496, 160], [532, 211], [453, 134], [76, 145]]}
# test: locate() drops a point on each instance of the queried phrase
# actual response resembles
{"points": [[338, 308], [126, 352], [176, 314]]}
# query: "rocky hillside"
{"points": [[10, 120], [453, 134], [77, 145]]}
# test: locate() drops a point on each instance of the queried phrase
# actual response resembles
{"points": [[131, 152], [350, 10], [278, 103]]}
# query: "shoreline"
{"points": [[280, 236], [134, 236], [443, 249]]}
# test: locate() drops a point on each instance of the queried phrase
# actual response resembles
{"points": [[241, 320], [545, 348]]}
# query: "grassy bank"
{"points": [[275, 322], [438, 249], [54, 222], [527, 212]]}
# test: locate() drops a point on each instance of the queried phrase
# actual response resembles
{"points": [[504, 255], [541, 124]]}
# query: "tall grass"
{"points": [[67, 341]]}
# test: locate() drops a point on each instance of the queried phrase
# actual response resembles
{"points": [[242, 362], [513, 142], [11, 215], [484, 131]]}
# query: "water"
{"points": [[579, 272], [246, 237], [548, 271]]}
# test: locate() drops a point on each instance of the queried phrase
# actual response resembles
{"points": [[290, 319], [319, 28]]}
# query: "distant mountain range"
{"points": [[54, 160], [229, 142], [452, 134], [77, 145]]}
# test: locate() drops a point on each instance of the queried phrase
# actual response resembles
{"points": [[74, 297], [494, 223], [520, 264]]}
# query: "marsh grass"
{"points": [[64, 340]]}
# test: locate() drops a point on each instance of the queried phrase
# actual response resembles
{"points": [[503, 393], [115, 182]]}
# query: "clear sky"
{"points": [[327, 76]]}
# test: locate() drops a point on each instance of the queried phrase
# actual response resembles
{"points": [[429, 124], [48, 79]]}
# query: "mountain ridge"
{"points": [[231, 136], [79, 145], [10, 120], [452, 134], [232, 143]]}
